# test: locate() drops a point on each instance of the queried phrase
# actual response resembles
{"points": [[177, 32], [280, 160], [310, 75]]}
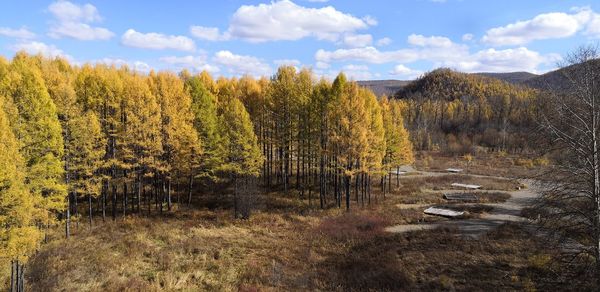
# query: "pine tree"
{"points": [[58, 77], [141, 148], [19, 237], [206, 124], [180, 141], [350, 135], [87, 153], [243, 159], [36, 126], [376, 145]]}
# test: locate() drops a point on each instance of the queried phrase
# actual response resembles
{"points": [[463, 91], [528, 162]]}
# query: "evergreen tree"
{"points": [[243, 159], [206, 123]]}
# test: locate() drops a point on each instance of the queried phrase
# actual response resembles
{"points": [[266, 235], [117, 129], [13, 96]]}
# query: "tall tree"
{"points": [[572, 188], [206, 123], [180, 141], [141, 150], [243, 159], [35, 123], [19, 236], [87, 150]]}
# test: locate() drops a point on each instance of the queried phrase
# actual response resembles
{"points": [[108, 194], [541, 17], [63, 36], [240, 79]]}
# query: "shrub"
{"points": [[524, 162], [352, 227], [541, 161]]}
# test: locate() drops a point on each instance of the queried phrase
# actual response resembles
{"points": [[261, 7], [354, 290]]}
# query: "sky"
{"points": [[375, 39]]}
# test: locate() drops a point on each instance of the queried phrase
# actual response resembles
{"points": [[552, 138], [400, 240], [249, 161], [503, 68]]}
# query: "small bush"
{"points": [[352, 227], [524, 162], [541, 161], [540, 261]]}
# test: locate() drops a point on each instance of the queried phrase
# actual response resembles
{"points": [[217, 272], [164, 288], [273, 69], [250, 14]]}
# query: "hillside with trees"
{"points": [[455, 111]]}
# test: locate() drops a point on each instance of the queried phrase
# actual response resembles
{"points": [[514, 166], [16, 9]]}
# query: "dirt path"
{"points": [[508, 211]]}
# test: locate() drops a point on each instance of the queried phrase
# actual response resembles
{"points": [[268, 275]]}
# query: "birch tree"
{"points": [[571, 190]]}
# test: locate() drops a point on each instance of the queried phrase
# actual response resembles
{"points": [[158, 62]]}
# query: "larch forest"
{"points": [[466, 175]]}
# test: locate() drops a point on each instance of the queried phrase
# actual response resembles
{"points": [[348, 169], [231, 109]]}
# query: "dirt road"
{"points": [[501, 213]]}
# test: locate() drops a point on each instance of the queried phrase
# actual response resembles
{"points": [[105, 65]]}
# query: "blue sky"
{"points": [[376, 39]]}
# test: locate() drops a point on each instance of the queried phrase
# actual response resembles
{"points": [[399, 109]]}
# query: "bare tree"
{"points": [[571, 190]]}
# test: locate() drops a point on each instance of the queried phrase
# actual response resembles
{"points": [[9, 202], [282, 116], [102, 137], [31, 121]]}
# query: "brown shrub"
{"points": [[352, 226]]}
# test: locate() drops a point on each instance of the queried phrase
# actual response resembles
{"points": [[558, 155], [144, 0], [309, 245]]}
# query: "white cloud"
{"points": [[401, 70], [287, 62], [356, 72], [73, 21], [208, 33], [21, 33], [357, 40], [80, 31], [67, 11], [544, 26], [242, 65], [370, 20], [593, 28], [440, 51], [195, 63], [508, 60], [467, 37], [157, 41], [48, 51], [138, 66], [367, 54], [384, 41], [432, 41], [322, 65], [432, 48], [285, 20]]}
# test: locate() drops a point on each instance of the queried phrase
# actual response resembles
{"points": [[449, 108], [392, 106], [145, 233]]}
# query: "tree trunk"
{"points": [[67, 223], [90, 208], [125, 199], [190, 185], [104, 191], [114, 201], [348, 178], [169, 194]]}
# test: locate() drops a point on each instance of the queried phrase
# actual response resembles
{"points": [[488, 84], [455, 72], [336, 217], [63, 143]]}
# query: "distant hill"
{"points": [[449, 85], [558, 80], [510, 77], [384, 87]]}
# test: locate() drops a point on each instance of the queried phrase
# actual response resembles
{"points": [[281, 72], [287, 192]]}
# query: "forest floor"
{"points": [[288, 245]]}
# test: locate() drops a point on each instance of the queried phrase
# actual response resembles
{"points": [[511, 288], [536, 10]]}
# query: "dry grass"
{"points": [[208, 251], [291, 246], [430, 261], [444, 182], [202, 251], [490, 164]]}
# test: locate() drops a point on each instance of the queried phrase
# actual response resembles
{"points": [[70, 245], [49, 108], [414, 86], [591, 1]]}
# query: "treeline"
{"points": [[455, 112], [103, 141]]}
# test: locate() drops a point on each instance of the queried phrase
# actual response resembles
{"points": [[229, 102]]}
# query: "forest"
{"points": [[113, 179], [95, 143], [455, 112]]}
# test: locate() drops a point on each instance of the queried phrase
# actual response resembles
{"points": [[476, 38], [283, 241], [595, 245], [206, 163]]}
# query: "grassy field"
{"points": [[288, 246], [271, 252], [490, 164]]}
